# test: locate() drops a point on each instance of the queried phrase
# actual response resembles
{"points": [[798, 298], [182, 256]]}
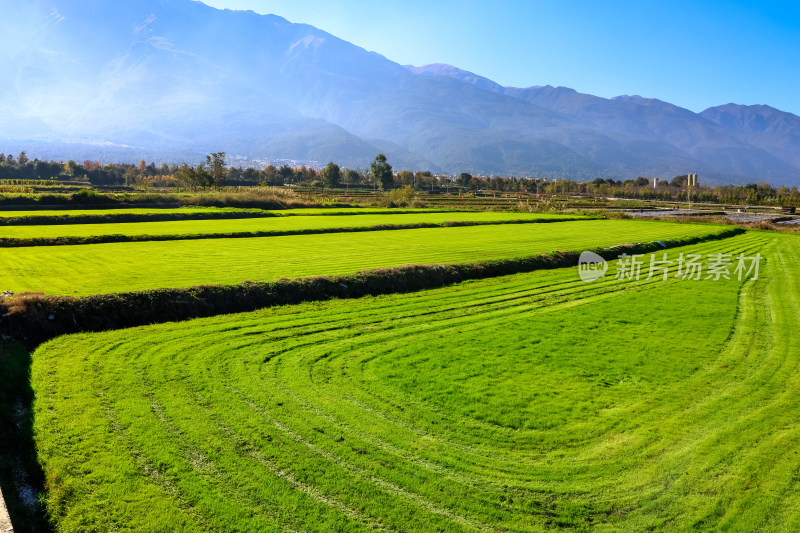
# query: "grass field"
{"points": [[102, 212], [278, 223], [184, 210], [117, 267], [524, 403]]}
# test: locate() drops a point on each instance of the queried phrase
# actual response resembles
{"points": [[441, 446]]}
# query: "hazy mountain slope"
{"points": [[772, 130], [154, 74], [177, 77], [441, 69], [651, 135], [679, 133], [179, 73]]}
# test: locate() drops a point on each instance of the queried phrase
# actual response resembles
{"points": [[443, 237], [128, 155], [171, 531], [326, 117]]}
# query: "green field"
{"points": [[525, 403], [184, 210], [117, 267], [104, 212], [278, 223]]}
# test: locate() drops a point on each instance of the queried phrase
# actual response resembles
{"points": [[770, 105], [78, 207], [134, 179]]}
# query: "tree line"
{"points": [[216, 173]]}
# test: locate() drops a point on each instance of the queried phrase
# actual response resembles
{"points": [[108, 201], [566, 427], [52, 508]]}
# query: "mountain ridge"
{"points": [[180, 77]]}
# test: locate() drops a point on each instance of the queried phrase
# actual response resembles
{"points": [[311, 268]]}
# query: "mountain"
{"points": [[664, 138], [672, 133], [774, 131], [441, 69], [154, 75], [177, 79]]}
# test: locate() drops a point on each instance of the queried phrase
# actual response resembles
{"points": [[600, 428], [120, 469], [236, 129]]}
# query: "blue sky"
{"points": [[695, 54]]}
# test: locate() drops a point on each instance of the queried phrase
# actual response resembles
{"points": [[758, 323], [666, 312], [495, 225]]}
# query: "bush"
{"points": [[403, 197], [90, 196]]}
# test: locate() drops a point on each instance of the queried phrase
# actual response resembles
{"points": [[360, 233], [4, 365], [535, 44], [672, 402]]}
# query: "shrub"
{"points": [[403, 197]]}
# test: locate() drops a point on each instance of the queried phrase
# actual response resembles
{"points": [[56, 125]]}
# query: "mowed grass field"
{"points": [[275, 224], [16, 213], [524, 403], [118, 267]]}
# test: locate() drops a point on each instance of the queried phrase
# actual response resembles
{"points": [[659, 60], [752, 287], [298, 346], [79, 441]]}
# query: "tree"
{"points": [[405, 177], [305, 174], [194, 177], [382, 172], [47, 171], [679, 181], [331, 175], [22, 159], [286, 173], [185, 176], [71, 168], [464, 179], [91, 165], [216, 166], [271, 176], [422, 178], [250, 176], [351, 177], [234, 175]]}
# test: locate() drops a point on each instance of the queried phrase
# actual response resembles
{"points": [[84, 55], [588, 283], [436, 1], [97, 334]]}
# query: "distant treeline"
{"points": [[215, 173], [640, 188]]}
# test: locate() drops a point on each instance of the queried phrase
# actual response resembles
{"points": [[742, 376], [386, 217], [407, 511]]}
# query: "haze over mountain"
{"points": [[175, 79]]}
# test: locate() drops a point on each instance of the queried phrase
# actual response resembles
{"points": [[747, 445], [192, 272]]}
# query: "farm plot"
{"points": [[513, 404], [108, 211], [270, 224], [117, 267], [111, 213]]}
